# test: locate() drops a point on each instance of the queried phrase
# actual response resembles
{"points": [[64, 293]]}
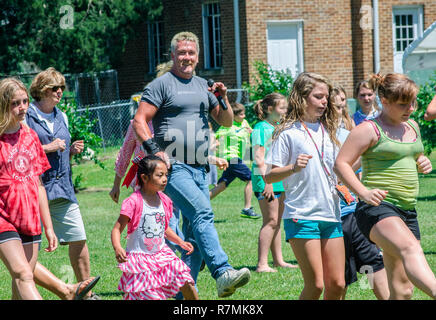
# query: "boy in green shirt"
{"points": [[233, 143]]}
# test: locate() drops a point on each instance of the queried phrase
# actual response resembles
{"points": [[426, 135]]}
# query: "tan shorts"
{"points": [[67, 221]]}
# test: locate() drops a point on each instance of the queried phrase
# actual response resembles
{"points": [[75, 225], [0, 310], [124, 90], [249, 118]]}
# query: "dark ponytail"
{"points": [[146, 166], [270, 100]]}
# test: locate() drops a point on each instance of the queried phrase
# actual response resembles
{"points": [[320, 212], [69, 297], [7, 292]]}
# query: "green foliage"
{"points": [[71, 35], [80, 126], [266, 81], [428, 128]]}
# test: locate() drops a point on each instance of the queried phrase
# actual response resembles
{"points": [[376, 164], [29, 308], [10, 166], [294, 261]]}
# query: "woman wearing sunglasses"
{"points": [[51, 126]]}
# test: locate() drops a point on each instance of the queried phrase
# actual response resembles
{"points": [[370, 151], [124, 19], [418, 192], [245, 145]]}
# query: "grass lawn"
{"points": [[238, 237]]}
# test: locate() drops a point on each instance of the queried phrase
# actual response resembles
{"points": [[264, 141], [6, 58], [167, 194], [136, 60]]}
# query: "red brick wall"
{"points": [[363, 59], [385, 22], [326, 29], [335, 45], [133, 67], [186, 16]]}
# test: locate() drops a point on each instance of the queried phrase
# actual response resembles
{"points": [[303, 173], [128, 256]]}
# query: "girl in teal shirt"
{"points": [[270, 196]]}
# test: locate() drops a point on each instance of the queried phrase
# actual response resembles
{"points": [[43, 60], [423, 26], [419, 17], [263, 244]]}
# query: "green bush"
{"points": [[80, 127], [267, 81], [428, 128]]}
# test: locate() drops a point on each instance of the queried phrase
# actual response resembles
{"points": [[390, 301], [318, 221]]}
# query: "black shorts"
{"points": [[360, 254], [367, 216], [25, 239]]}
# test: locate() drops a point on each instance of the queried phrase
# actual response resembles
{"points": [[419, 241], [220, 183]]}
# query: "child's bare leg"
{"points": [[308, 254], [276, 245], [333, 264], [399, 244], [44, 278], [217, 190], [189, 292], [13, 256], [248, 193], [31, 253], [266, 234]]}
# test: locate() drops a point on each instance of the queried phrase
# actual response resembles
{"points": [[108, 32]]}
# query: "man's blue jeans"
{"points": [[174, 225], [188, 187]]}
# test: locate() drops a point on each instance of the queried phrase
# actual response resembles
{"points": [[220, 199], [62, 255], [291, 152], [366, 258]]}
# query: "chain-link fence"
{"points": [[84, 88], [113, 119], [98, 93]]}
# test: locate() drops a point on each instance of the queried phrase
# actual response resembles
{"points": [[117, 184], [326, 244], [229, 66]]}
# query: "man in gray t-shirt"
{"points": [[178, 103], [181, 122]]}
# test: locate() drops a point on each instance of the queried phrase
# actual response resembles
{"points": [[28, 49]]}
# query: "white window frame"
{"points": [[216, 55], [155, 45], [300, 40], [413, 10]]}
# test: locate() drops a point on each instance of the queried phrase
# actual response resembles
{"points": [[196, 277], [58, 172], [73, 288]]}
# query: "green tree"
{"points": [[71, 35], [265, 82]]}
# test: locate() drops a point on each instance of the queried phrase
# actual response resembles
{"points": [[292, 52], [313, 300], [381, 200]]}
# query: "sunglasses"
{"points": [[56, 88]]}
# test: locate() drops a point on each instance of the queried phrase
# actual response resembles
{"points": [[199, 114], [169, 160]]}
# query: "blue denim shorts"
{"points": [[312, 229]]}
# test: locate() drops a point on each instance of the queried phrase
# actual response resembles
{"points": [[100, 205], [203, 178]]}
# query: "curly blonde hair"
{"points": [[297, 105], [44, 81]]}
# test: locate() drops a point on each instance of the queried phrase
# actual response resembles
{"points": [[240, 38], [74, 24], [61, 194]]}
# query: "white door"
{"points": [[406, 26], [285, 47]]}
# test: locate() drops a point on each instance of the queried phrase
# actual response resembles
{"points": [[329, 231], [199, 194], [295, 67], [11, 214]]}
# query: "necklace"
{"points": [[330, 178]]}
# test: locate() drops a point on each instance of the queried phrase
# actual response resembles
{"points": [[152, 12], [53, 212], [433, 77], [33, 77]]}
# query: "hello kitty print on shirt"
{"points": [[152, 227]]}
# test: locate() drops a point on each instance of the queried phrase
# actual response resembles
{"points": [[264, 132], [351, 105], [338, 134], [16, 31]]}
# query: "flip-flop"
{"points": [[79, 295]]}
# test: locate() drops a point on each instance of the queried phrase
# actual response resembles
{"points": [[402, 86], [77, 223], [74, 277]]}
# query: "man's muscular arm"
{"points": [[145, 114]]}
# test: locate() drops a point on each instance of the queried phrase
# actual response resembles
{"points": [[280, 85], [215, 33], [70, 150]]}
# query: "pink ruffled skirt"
{"points": [[153, 277]]}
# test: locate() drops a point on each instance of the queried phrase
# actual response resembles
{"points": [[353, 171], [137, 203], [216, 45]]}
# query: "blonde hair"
{"points": [[163, 68], [8, 88], [365, 84], [45, 80], [394, 87], [297, 105], [184, 36], [270, 100], [336, 91]]}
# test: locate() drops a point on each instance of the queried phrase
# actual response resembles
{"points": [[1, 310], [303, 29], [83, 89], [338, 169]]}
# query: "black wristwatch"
{"points": [[150, 146]]}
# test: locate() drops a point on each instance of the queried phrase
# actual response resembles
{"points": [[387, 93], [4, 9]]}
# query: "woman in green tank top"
{"points": [[391, 152]]}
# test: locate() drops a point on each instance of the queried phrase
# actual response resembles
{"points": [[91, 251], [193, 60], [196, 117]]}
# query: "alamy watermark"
{"points": [[66, 274], [368, 281], [367, 17], [67, 18]]}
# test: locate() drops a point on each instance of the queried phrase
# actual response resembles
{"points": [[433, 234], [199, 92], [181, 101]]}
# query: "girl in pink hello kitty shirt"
{"points": [[151, 270]]}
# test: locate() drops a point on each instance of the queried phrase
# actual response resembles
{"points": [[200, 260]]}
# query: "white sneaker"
{"points": [[231, 279]]}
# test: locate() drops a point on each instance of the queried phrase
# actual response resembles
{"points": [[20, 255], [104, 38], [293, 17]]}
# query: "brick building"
{"points": [[331, 37]]}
